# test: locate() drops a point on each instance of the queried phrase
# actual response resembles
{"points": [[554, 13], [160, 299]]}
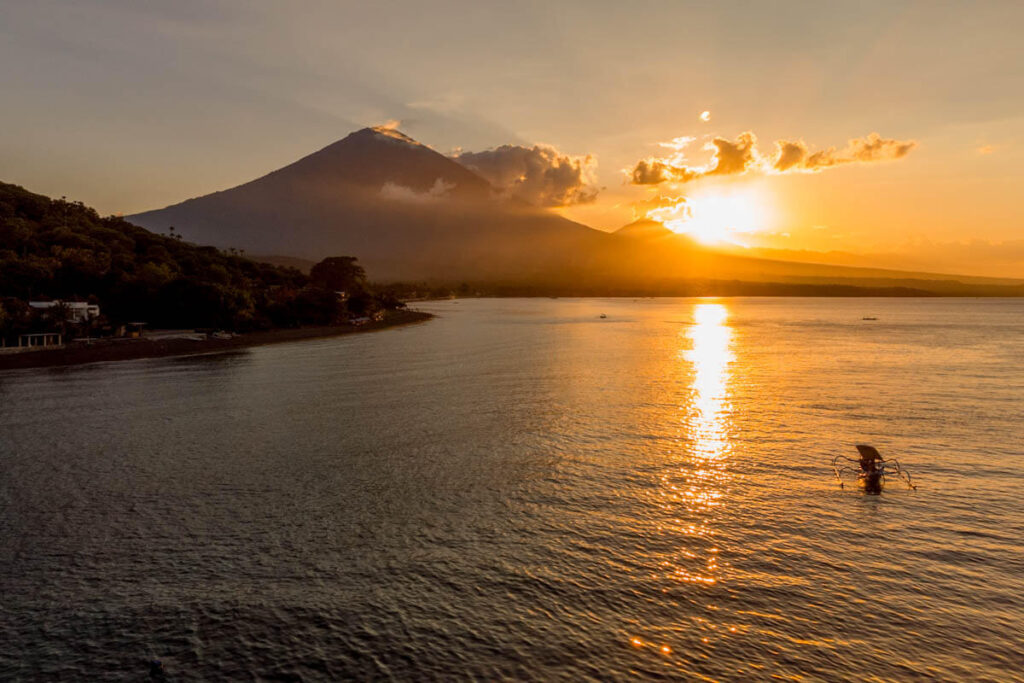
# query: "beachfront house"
{"points": [[77, 311]]}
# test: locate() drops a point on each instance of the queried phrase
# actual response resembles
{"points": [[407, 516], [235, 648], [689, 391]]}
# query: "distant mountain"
{"points": [[409, 213], [657, 255], [300, 264], [646, 229], [952, 257], [406, 211]]}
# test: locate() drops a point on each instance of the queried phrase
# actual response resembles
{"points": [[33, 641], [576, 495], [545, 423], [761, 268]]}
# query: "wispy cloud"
{"points": [[794, 154], [739, 156], [401, 193], [648, 208]]}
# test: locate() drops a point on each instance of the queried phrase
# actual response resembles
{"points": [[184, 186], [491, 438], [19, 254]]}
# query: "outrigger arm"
{"points": [[883, 467]]}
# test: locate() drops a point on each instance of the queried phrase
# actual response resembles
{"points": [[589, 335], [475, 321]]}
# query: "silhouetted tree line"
{"points": [[64, 250]]}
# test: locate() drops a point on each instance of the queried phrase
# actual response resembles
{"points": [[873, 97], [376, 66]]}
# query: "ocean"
{"points": [[523, 489]]}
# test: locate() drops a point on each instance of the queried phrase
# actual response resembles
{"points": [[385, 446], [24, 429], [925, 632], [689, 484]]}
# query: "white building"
{"points": [[78, 311]]}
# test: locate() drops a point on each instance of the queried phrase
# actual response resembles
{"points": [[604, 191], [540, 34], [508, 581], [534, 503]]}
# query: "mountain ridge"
{"points": [[411, 213]]}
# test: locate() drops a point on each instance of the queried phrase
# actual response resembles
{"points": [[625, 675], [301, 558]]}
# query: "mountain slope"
{"points": [[406, 211], [646, 229], [759, 265]]}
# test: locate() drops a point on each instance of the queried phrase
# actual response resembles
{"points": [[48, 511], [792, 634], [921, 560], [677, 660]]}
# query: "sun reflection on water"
{"points": [[711, 356], [694, 481], [697, 484]]}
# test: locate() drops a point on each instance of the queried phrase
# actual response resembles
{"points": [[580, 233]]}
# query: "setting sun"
{"points": [[718, 216]]}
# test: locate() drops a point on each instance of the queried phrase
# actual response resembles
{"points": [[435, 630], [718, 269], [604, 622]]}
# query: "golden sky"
{"points": [[901, 123]]}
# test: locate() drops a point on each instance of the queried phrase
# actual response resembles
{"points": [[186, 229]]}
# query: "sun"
{"points": [[720, 215]]}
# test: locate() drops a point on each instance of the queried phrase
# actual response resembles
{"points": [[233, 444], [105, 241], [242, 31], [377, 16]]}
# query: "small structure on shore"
{"points": [[40, 340], [133, 330]]}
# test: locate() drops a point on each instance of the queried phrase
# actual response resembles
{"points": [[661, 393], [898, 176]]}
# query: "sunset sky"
{"points": [[130, 106]]}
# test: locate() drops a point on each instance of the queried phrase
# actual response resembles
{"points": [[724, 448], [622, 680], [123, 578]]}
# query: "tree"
{"points": [[15, 318], [57, 317], [361, 303], [338, 274]]}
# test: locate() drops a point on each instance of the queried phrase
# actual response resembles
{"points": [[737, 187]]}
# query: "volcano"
{"points": [[406, 211]]}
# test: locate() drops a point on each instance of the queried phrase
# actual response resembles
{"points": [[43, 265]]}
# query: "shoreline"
{"points": [[144, 348]]}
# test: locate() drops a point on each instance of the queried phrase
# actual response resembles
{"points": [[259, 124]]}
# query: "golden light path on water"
{"points": [[710, 355], [694, 479], [704, 471]]}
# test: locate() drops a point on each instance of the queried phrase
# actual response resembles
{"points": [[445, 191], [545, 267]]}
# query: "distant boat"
{"points": [[869, 318], [603, 315]]}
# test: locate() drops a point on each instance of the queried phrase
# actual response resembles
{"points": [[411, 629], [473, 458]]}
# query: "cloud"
{"points": [[678, 144], [794, 156], [389, 129], [733, 157], [671, 211], [644, 207], [540, 175], [739, 156], [652, 172], [401, 193], [730, 157], [789, 154], [876, 148]]}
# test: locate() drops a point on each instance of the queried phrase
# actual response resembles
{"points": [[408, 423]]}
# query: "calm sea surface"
{"points": [[522, 489]]}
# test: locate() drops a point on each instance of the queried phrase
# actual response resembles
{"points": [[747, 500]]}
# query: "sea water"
{"points": [[521, 488]]}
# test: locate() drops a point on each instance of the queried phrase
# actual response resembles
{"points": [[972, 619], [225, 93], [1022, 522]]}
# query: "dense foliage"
{"points": [[65, 250]]}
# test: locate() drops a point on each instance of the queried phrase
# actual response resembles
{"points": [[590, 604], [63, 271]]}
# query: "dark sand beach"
{"points": [[123, 349]]}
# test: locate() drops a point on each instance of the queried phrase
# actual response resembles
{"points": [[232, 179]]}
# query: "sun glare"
{"points": [[719, 216]]}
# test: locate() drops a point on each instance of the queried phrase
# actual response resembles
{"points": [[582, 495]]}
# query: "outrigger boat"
{"points": [[870, 469]]}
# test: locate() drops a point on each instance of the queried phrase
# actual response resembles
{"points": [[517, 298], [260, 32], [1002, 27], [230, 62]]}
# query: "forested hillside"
{"points": [[52, 248]]}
